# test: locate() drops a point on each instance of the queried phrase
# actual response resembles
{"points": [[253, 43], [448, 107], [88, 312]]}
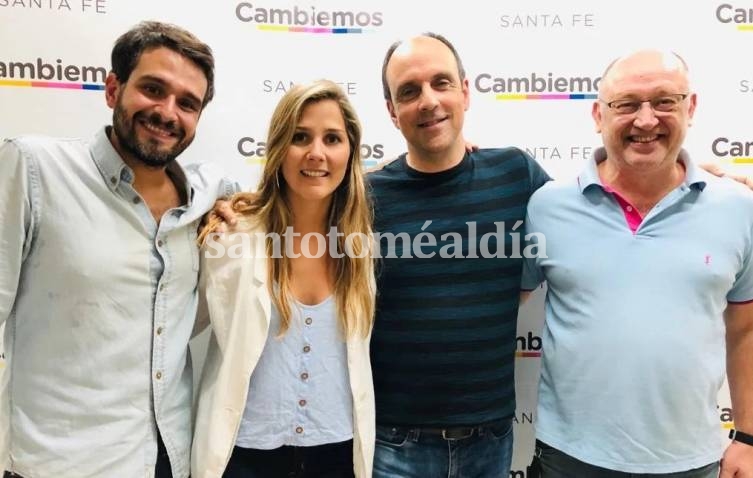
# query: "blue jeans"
{"points": [[556, 464], [486, 452]]}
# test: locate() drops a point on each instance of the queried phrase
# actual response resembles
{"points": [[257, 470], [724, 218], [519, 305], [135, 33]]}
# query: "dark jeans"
{"points": [[332, 460], [555, 464], [161, 470], [484, 452]]}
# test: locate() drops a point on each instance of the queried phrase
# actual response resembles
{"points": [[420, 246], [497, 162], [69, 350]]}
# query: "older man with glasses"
{"points": [[650, 275]]}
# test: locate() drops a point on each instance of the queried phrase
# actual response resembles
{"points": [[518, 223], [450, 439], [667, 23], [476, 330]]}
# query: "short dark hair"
{"points": [[149, 35], [393, 47]]}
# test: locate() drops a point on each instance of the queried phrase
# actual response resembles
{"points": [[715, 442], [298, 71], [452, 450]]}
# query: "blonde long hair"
{"points": [[350, 212]]}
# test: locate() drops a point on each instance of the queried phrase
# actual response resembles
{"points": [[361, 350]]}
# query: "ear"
{"points": [[691, 108], [393, 116], [112, 89], [466, 94], [596, 115]]}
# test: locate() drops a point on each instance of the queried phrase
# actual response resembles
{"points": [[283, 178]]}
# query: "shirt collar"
{"points": [[114, 169], [694, 176]]}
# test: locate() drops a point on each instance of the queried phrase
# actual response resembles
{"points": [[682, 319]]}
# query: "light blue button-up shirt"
{"points": [[99, 302], [299, 393]]}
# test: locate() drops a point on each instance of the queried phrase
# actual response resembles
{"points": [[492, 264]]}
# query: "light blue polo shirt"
{"points": [[634, 347]]}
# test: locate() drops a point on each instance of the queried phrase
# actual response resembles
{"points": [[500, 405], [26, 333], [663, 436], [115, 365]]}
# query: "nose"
{"points": [[645, 117], [428, 100], [168, 109], [316, 151]]}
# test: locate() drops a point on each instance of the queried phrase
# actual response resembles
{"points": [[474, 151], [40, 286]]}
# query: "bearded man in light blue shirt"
{"points": [[98, 274]]}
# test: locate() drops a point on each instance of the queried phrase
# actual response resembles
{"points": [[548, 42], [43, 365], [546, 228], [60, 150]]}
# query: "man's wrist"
{"points": [[737, 435]]}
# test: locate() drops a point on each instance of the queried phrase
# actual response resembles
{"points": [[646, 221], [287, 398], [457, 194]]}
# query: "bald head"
{"points": [[405, 46], [644, 66]]}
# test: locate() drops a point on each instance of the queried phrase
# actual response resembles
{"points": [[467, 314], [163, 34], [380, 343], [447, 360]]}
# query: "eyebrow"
{"points": [[660, 91], [442, 75], [328, 130]]}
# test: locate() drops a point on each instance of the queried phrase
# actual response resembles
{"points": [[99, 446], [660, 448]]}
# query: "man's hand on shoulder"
{"points": [[718, 171], [470, 147], [219, 218]]}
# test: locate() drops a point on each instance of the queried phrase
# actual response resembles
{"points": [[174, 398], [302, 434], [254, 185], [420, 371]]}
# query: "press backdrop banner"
{"points": [[533, 69]]}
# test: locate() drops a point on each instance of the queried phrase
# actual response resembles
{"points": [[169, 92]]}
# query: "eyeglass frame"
{"points": [[610, 104]]}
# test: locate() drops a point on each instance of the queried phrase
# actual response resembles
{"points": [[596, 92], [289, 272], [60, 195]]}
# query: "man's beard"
{"points": [[147, 152]]}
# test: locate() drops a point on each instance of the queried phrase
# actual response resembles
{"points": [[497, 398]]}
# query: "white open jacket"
{"points": [[234, 298]]}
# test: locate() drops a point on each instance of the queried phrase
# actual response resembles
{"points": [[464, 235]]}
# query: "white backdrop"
{"points": [[501, 44]]}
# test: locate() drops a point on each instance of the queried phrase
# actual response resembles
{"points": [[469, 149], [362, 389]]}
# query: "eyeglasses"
{"points": [[660, 104]]}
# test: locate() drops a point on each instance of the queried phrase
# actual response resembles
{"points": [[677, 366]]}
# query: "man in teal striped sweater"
{"points": [[451, 236]]}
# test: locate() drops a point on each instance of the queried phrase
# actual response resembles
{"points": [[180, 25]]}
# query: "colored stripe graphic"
{"points": [[260, 160], [527, 354], [745, 28], [548, 96], [728, 426], [52, 84], [285, 28], [743, 160]]}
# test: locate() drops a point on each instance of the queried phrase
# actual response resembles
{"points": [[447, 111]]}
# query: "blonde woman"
{"points": [[286, 388]]}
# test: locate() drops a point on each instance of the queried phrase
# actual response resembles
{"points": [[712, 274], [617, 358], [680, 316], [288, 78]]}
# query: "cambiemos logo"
{"points": [[307, 19], [255, 151], [72, 6], [528, 346], [741, 18], [546, 21], [733, 151], [725, 417], [536, 86], [40, 74]]}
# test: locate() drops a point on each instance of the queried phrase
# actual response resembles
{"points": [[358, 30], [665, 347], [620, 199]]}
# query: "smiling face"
{"points": [[428, 100], [156, 111], [645, 140], [317, 158]]}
